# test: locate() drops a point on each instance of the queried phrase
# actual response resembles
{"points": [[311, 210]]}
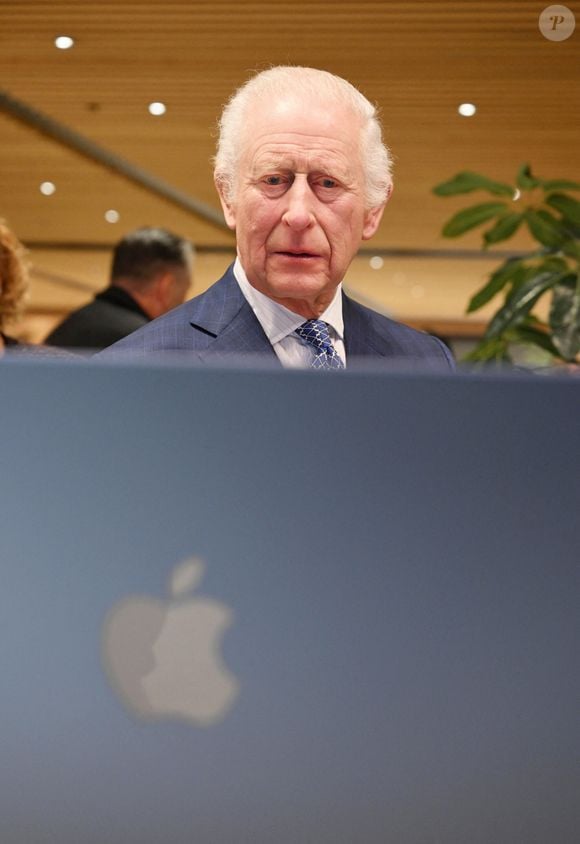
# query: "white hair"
{"points": [[307, 82]]}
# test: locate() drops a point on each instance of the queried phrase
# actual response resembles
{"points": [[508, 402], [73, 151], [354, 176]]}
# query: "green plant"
{"points": [[552, 217]]}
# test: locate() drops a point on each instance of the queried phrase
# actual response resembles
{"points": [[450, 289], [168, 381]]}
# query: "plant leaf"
{"points": [[522, 301], [536, 337], [489, 350], [565, 227], [503, 228], [471, 217], [525, 180], [565, 317], [566, 205], [560, 184], [544, 229], [466, 181], [553, 264], [498, 280], [572, 249]]}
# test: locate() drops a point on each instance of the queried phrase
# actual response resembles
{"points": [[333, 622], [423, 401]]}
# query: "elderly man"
{"points": [[303, 177]]}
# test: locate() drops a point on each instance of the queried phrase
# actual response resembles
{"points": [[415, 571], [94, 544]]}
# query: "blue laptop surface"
{"points": [[241, 605]]}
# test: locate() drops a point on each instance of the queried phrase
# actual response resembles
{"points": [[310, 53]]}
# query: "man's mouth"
{"points": [[292, 254]]}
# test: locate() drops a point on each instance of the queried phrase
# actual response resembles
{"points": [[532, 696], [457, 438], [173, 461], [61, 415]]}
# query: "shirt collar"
{"points": [[276, 320]]}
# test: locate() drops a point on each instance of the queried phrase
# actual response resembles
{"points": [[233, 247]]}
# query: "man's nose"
{"points": [[299, 213]]}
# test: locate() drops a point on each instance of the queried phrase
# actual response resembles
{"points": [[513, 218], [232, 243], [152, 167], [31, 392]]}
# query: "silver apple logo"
{"points": [[163, 658]]}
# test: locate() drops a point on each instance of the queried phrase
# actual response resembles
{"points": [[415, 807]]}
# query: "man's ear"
{"points": [[227, 206], [373, 217]]}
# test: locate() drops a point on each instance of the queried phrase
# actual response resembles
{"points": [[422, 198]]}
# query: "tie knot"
{"points": [[315, 333]]}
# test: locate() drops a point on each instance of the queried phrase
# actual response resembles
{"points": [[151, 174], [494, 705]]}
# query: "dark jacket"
{"points": [[111, 315]]}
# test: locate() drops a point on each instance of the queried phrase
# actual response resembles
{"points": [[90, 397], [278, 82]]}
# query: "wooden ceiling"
{"points": [[417, 60]]}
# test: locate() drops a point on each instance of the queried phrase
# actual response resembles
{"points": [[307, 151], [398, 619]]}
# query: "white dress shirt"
{"points": [[279, 323]]}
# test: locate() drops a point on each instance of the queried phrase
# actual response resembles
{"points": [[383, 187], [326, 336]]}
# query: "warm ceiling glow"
{"points": [[47, 188], [112, 216], [157, 108], [467, 109], [64, 42]]}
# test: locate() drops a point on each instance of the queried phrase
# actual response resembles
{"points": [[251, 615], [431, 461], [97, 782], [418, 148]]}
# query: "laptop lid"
{"points": [[258, 606]]}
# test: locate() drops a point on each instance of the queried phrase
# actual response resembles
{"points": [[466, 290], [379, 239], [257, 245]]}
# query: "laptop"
{"points": [[246, 605]]}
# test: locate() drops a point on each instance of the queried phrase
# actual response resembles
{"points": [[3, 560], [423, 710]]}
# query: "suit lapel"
{"points": [[228, 322], [223, 323], [360, 337]]}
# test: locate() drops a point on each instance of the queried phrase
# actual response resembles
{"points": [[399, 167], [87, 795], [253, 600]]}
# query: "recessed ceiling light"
{"points": [[467, 109], [157, 109], [376, 262], [47, 188], [64, 42], [112, 216], [417, 291]]}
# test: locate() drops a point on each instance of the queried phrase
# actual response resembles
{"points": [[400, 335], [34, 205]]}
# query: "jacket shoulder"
{"points": [[96, 325], [368, 332], [174, 330]]}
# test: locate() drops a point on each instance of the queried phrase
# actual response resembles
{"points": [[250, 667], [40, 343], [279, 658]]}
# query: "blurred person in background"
{"points": [[14, 271], [150, 275]]}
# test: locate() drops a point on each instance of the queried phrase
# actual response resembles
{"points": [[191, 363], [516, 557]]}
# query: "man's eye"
{"points": [[326, 183], [273, 180]]}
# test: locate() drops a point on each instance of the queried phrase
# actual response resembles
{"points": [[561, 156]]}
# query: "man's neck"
{"points": [[287, 318], [145, 302]]}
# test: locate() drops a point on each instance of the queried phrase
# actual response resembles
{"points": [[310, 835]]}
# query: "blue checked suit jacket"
{"points": [[220, 323]]}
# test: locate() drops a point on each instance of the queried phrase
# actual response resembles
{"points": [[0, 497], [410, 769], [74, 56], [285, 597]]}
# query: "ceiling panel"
{"points": [[417, 60]]}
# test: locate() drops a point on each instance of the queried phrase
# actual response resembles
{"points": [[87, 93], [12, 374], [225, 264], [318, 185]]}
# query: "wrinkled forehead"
{"points": [[308, 122], [291, 112]]}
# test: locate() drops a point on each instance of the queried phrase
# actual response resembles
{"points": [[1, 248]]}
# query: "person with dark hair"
{"points": [[150, 275]]}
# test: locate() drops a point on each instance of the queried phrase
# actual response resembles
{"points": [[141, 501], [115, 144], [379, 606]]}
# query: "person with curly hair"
{"points": [[14, 270], [14, 286]]}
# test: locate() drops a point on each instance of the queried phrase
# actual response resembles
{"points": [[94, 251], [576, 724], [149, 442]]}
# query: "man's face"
{"points": [[298, 209]]}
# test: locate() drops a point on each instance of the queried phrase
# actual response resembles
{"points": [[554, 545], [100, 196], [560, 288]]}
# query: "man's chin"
{"points": [[304, 285], [308, 295]]}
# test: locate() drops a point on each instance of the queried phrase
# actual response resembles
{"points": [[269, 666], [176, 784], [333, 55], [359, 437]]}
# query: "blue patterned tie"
{"points": [[315, 333]]}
